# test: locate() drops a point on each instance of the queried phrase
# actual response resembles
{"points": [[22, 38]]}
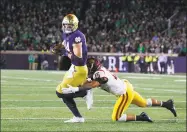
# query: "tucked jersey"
{"points": [[73, 38], [114, 85]]}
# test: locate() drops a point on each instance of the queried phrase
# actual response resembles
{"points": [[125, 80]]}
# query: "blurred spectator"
{"points": [[31, 60], [162, 61], [35, 62], [45, 65], [110, 26], [142, 64]]}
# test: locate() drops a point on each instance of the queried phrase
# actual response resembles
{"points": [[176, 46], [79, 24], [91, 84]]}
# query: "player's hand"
{"points": [[57, 49], [70, 89], [89, 79]]}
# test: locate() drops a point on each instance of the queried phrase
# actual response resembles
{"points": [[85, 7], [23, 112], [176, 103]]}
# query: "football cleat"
{"points": [[170, 106], [75, 120], [89, 99], [145, 117]]}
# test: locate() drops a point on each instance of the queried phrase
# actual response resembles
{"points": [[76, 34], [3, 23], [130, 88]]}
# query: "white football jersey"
{"points": [[114, 85]]}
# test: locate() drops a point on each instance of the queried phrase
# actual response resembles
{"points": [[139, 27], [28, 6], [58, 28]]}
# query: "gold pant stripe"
{"points": [[120, 107], [126, 95], [123, 105], [122, 100]]}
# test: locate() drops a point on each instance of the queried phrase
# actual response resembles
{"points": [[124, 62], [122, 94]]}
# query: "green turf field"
{"points": [[29, 103]]}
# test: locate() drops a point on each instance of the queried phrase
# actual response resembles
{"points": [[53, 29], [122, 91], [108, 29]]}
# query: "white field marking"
{"points": [[119, 73], [100, 120], [180, 80], [60, 101], [48, 80], [146, 91], [142, 77], [94, 95], [166, 90], [33, 79], [63, 107], [152, 88], [133, 74], [55, 84], [158, 75]]}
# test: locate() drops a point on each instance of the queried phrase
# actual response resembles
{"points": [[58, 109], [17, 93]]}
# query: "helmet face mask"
{"points": [[67, 28], [70, 23], [93, 65]]}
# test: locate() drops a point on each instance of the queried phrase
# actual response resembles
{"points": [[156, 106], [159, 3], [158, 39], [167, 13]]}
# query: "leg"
{"points": [[74, 79], [142, 102], [122, 105], [70, 103]]}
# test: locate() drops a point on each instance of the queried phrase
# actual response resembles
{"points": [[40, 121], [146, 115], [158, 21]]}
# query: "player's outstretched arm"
{"points": [[86, 86], [89, 84]]}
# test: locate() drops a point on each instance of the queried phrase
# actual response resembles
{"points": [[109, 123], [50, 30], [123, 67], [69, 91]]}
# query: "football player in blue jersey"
{"points": [[74, 43]]}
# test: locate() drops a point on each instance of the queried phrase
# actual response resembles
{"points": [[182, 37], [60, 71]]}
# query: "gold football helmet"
{"points": [[70, 23]]}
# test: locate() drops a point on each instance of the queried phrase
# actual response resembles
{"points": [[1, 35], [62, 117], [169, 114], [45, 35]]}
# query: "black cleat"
{"points": [[170, 106], [145, 117]]}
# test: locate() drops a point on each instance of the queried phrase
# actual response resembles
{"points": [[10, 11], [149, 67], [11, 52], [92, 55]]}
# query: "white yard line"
{"points": [[150, 90], [25, 78], [60, 100], [94, 95], [119, 73], [133, 74], [136, 77], [157, 75], [18, 108], [99, 120], [180, 80], [39, 85], [146, 91]]}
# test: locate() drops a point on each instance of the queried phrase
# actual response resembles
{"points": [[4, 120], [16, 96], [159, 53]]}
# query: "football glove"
{"points": [[70, 90], [58, 49]]}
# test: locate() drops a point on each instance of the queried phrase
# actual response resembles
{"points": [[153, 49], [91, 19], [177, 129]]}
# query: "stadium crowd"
{"points": [[110, 26]]}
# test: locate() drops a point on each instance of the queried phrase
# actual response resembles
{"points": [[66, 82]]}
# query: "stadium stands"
{"points": [[110, 26]]}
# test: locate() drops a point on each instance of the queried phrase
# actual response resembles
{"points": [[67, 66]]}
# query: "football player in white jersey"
{"points": [[122, 89]]}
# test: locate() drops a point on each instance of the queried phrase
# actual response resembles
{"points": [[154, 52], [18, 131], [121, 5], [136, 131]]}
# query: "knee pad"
{"points": [[123, 118], [149, 102]]}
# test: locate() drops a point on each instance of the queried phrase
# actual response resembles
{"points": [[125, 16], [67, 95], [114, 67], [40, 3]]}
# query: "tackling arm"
{"points": [[86, 86]]}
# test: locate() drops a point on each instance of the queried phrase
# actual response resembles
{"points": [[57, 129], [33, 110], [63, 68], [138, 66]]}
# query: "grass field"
{"points": [[29, 103]]}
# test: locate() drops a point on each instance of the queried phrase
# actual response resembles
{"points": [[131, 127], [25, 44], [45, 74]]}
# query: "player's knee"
{"points": [[149, 102], [58, 94], [114, 118]]}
